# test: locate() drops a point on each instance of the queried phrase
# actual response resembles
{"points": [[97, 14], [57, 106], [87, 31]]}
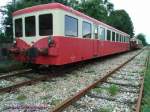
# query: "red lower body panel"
{"points": [[68, 50]]}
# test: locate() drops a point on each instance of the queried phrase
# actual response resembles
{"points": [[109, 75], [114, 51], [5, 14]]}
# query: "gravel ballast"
{"points": [[47, 94], [126, 83]]}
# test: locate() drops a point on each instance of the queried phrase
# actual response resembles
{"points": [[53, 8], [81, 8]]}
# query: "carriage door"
{"points": [[95, 41]]}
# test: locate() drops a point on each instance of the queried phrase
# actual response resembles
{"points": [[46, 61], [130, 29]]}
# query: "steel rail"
{"points": [[33, 81], [138, 104], [60, 107], [15, 74]]}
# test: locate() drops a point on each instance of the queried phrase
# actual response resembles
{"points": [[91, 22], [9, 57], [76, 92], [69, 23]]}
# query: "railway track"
{"points": [[118, 80], [49, 89], [138, 105], [14, 73], [23, 73], [29, 79]]}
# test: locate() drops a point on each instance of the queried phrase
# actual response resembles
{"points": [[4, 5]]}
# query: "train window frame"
{"points": [[21, 33], [87, 23], [124, 38], [50, 25], [102, 33], [109, 32], [121, 38], [73, 18], [113, 36], [34, 34], [128, 39], [95, 31], [117, 37]]}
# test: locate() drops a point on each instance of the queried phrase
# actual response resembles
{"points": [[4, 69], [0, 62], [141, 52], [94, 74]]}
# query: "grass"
{"points": [[146, 98], [10, 65], [45, 97], [97, 90], [113, 90], [104, 110], [55, 101], [90, 71], [21, 97]]}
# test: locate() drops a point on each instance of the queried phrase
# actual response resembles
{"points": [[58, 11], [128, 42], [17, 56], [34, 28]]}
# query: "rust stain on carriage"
{"points": [[60, 107]]}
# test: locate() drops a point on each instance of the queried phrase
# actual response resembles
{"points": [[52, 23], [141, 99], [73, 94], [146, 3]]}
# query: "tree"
{"points": [[102, 10], [2, 36], [142, 38], [7, 23], [122, 21], [10, 8], [109, 6], [93, 8]]}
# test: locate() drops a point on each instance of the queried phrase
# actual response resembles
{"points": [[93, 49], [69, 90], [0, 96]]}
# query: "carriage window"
{"points": [[30, 26], [45, 24], [120, 38], [18, 27], [113, 36], [127, 39], [102, 33], [124, 38], [95, 32], [86, 30], [108, 34], [117, 37], [71, 26]]}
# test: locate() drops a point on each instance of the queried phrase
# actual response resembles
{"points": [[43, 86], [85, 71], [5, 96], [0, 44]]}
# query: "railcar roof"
{"points": [[62, 7]]}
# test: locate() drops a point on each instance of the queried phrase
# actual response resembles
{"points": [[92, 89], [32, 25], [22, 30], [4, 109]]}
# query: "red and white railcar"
{"points": [[55, 34], [135, 43]]}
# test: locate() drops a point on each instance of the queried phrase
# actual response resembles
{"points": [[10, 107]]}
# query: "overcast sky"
{"points": [[139, 11], [4, 2]]}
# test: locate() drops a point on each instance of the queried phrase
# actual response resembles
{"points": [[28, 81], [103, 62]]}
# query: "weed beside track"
{"points": [[146, 97], [10, 65]]}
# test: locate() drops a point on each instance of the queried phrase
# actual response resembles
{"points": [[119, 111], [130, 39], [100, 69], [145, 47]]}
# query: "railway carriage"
{"points": [[55, 34], [135, 43]]}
